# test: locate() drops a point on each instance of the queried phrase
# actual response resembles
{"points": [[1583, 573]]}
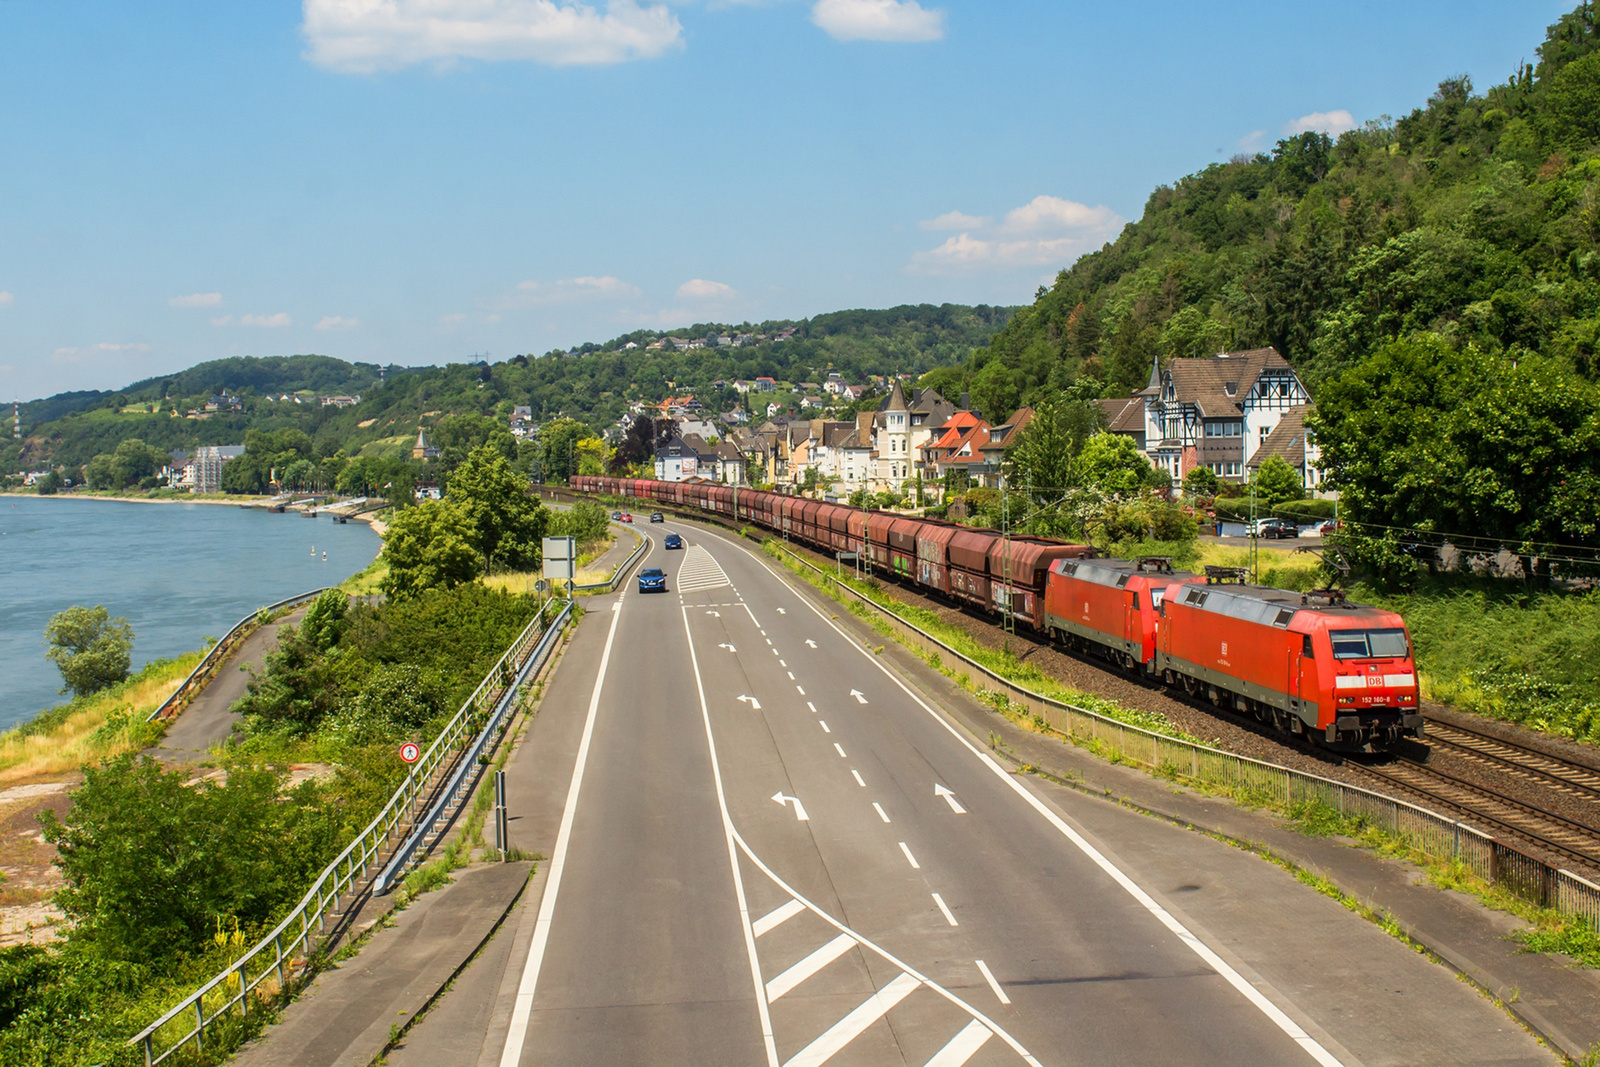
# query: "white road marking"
{"points": [[727, 646], [800, 690], [879, 809], [809, 966], [824, 723], [812, 706], [949, 918], [857, 694], [839, 750], [859, 782], [1296, 1033], [789, 673], [909, 857], [810, 642], [962, 1046], [769, 640], [733, 861], [781, 663], [755, 705], [777, 917], [853, 1025], [988, 976], [522, 1008], [782, 612], [799, 808], [950, 798], [718, 614]]}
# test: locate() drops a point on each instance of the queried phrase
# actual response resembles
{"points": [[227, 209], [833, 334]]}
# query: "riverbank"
{"points": [[195, 498]]}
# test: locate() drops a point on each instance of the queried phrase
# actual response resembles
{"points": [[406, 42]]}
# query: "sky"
{"points": [[433, 181]]}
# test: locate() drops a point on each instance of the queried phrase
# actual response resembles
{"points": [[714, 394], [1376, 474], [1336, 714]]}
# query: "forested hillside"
{"points": [[593, 383], [1476, 217]]}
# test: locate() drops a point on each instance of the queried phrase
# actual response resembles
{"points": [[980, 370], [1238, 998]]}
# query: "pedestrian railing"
{"points": [[285, 957], [218, 652], [1436, 836]]}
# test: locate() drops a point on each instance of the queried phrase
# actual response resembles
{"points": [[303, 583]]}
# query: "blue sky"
{"points": [[419, 181]]}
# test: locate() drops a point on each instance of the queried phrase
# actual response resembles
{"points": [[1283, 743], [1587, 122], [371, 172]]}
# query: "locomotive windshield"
{"points": [[1369, 644]]}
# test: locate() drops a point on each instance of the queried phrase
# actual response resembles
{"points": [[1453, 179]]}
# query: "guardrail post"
{"points": [[199, 1022]]}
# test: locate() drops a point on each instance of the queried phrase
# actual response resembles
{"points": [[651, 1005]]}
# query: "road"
{"points": [[766, 847]]}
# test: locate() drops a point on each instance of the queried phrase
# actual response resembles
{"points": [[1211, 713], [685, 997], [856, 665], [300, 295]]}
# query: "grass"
{"points": [[89, 729], [367, 582], [523, 581]]}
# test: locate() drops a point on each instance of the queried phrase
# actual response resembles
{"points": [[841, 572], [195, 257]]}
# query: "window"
{"points": [[1233, 468], [1213, 429], [1265, 430], [1306, 649], [1369, 644], [1283, 387]]}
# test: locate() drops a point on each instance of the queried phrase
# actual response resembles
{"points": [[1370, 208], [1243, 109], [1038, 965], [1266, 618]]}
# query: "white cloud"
{"points": [[363, 36], [1251, 142], [1330, 122], [878, 20], [6, 298], [451, 321], [700, 289], [270, 321], [196, 300], [955, 220], [567, 291], [337, 322], [1046, 231], [222, 320]]}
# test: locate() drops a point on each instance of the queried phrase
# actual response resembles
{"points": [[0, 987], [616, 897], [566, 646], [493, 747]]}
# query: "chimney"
{"points": [[966, 399]]}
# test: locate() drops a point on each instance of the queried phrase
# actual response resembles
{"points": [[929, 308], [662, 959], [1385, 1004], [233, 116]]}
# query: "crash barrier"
{"points": [[617, 576], [286, 958], [220, 651], [1498, 863]]}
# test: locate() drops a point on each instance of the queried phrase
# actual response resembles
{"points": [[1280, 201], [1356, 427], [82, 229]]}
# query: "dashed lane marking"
{"points": [[988, 976], [909, 857], [879, 809], [945, 908], [857, 774]]}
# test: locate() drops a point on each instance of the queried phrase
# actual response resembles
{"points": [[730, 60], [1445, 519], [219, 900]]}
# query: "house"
{"points": [[1214, 412], [766, 385], [957, 447], [1290, 442], [203, 472], [521, 422], [742, 386], [927, 413], [423, 449], [339, 401], [427, 491], [677, 461], [690, 425], [630, 346], [1001, 438], [892, 424], [730, 464]]}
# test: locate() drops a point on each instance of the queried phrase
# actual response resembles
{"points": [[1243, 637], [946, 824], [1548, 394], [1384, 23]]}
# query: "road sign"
{"points": [[409, 752]]}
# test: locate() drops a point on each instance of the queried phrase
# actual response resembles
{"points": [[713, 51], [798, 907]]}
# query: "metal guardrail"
{"points": [[285, 954], [1430, 833], [459, 786], [622, 569], [219, 651]]}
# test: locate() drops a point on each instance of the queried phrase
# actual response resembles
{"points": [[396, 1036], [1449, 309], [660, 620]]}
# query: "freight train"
{"points": [[1336, 673]]}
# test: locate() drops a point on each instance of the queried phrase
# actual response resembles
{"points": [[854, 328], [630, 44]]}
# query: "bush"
{"points": [[91, 649]]}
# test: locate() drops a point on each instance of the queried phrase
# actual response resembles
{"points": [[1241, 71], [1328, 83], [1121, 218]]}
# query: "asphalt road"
{"points": [[765, 847]]}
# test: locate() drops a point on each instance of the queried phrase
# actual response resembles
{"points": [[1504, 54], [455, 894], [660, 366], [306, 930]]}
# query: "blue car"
{"points": [[673, 541], [652, 580]]}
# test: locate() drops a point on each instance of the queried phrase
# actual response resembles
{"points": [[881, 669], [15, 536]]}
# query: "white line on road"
{"points": [[857, 774], [777, 917], [909, 857], [879, 809], [790, 673], [824, 724], [949, 918], [988, 976], [839, 750], [799, 808], [962, 1046], [809, 966], [755, 705], [810, 642], [955, 805], [857, 694], [812, 706], [853, 1025], [1296, 1033], [781, 663], [522, 1008], [800, 690]]}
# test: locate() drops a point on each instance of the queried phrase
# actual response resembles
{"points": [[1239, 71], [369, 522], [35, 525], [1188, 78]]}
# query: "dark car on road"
{"points": [[616, 515], [652, 580], [672, 541], [655, 516], [1276, 529]]}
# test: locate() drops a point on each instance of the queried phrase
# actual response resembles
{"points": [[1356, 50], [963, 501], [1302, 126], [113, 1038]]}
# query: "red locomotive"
{"points": [[1338, 673]]}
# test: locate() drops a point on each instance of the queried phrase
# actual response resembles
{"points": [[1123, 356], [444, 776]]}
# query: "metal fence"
{"points": [[219, 651], [1428, 833], [620, 573], [285, 956]]}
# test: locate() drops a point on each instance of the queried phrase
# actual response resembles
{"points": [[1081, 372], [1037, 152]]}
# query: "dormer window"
{"points": [[1230, 387]]}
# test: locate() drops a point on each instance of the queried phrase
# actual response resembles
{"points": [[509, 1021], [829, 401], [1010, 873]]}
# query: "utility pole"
{"points": [[1255, 535]]}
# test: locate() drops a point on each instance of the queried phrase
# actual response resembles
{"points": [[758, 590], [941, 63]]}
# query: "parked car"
{"points": [[652, 580], [655, 516], [673, 541], [1276, 528], [1325, 527]]}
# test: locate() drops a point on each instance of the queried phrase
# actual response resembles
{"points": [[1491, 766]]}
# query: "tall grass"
{"points": [[91, 728]]}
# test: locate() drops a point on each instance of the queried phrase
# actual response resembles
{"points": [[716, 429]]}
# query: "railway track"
{"points": [[1495, 811], [1507, 757]]}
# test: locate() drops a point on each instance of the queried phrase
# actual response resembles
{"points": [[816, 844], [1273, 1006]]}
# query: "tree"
{"points": [[507, 522], [1110, 463], [1201, 482], [91, 650], [1277, 483], [1044, 451], [559, 439], [427, 546]]}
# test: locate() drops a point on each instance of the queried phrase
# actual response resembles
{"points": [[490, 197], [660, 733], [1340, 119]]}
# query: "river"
{"points": [[177, 572]]}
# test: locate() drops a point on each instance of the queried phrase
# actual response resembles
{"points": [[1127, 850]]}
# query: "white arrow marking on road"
{"points": [[799, 809], [857, 694], [810, 642], [727, 646], [782, 612], [718, 614], [755, 705], [949, 798]]}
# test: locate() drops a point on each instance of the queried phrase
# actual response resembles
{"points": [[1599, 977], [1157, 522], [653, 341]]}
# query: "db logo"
{"points": [[409, 752], [1224, 651]]}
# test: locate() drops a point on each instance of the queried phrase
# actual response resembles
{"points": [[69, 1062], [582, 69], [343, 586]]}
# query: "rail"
{"points": [[1497, 862], [287, 955], [219, 651]]}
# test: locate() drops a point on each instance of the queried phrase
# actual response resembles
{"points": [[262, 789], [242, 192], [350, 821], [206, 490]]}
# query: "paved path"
{"points": [[207, 722], [765, 848]]}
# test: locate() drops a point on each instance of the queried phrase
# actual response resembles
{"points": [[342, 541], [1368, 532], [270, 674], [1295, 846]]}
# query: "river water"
{"points": [[177, 572]]}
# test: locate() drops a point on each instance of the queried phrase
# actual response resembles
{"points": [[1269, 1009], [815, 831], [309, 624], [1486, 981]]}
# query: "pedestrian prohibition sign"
{"points": [[409, 752]]}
